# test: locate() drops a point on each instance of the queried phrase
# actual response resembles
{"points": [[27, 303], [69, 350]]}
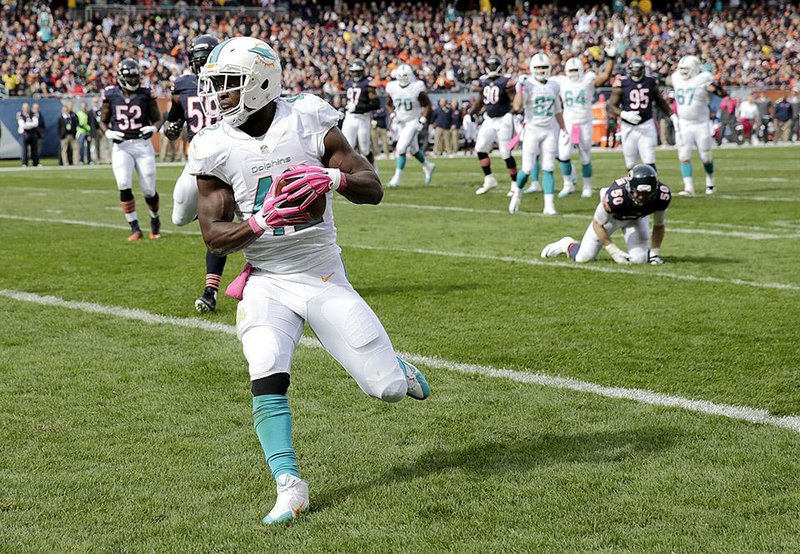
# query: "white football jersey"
{"points": [[691, 96], [541, 101], [251, 166], [406, 99], [577, 97]]}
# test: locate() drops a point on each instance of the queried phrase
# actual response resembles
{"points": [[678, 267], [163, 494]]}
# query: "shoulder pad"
{"points": [[208, 152], [315, 114]]}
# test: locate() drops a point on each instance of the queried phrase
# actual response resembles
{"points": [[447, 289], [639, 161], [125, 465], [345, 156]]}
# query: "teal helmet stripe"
{"points": [[212, 58], [263, 52]]}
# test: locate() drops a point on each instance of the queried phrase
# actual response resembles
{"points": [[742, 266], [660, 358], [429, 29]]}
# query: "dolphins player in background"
{"points": [[693, 123], [408, 104], [294, 272], [577, 94]]}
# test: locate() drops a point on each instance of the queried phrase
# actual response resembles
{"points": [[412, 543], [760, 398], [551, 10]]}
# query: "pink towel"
{"points": [[575, 136], [236, 288]]}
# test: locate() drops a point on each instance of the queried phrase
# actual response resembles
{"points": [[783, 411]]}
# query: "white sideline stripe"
{"points": [[757, 198], [468, 255], [711, 232], [741, 413], [583, 267], [107, 167]]}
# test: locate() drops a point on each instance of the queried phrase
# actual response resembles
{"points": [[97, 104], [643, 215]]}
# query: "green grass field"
{"points": [[131, 431]]}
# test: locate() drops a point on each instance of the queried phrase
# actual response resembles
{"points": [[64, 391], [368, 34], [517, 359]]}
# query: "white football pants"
{"points": [[539, 141], [134, 154], [639, 143], [356, 128], [498, 130], [636, 233], [695, 134], [565, 148]]}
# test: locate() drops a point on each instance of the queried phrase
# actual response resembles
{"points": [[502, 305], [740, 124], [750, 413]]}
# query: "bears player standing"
{"points": [[627, 205], [495, 98], [187, 108], [539, 96], [362, 100], [692, 123], [294, 272], [408, 103], [632, 99], [577, 94], [129, 117]]}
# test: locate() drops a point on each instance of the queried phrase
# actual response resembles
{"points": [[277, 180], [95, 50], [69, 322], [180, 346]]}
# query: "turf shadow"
{"points": [[512, 457]]}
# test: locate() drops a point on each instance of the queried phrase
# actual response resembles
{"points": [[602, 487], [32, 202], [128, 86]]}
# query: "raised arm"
{"points": [[603, 78]]}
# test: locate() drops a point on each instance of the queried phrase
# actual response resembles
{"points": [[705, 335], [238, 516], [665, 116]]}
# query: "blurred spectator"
{"points": [[727, 109], [42, 126], [100, 142], [441, 121], [455, 127], [67, 131], [28, 128], [469, 127], [84, 134], [749, 117], [794, 101], [380, 133], [782, 114]]}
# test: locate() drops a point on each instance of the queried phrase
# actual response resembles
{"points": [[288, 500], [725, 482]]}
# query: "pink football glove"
{"points": [[307, 182], [273, 216]]}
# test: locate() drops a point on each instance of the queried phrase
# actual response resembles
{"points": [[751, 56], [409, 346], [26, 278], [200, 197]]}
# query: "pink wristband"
{"points": [[254, 226], [342, 182]]}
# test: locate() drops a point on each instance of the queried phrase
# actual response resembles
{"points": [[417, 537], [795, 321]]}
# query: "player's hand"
{"points": [[516, 201], [653, 257], [309, 182], [114, 135], [610, 50], [272, 216], [564, 137], [421, 123], [631, 117], [172, 129], [147, 131], [619, 256], [677, 127]]}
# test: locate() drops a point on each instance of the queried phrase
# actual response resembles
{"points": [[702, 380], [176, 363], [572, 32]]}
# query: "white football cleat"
{"points": [[709, 191], [393, 184], [418, 387], [533, 187], [428, 169], [516, 200], [489, 182], [549, 211], [586, 193], [555, 249], [566, 190], [292, 499], [686, 193]]}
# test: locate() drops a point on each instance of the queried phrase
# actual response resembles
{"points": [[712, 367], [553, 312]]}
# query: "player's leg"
{"points": [[487, 135], [505, 132], [406, 139], [414, 149], [648, 139], [145, 157], [549, 152], [269, 332], [184, 199], [685, 144], [351, 332], [535, 174], [630, 146], [122, 165], [585, 150], [565, 147], [350, 130], [364, 138], [587, 249], [637, 238], [705, 143], [529, 153]]}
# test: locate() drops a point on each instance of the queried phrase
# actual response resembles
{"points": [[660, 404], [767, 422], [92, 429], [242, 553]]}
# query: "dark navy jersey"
{"points": [[129, 113], [186, 87], [618, 200], [638, 97], [496, 101], [357, 95]]}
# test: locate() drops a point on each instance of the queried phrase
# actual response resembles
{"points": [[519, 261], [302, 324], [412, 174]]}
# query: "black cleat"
{"points": [[207, 302], [155, 228]]}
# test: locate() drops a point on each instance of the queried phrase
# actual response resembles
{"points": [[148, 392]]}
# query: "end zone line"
{"points": [[740, 413]]}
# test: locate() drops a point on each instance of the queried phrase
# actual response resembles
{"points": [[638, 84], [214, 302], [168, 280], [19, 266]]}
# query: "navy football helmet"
{"points": [[357, 69], [493, 65], [642, 184], [636, 69], [128, 75]]}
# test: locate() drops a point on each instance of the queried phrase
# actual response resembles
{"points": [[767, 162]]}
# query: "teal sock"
{"points": [[401, 162], [587, 171], [536, 168], [686, 169], [709, 167], [566, 168], [522, 178], [273, 422], [420, 156], [548, 182]]}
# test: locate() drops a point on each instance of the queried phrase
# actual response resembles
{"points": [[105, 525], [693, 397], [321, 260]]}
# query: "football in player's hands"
{"points": [[301, 193]]}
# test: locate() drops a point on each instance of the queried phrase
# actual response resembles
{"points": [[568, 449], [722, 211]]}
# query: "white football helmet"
{"points": [[689, 66], [540, 67], [574, 69], [404, 75], [245, 65]]}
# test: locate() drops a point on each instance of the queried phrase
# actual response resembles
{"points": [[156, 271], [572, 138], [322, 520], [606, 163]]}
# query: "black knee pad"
{"points": [[126, 195], [271, 384], [511, 163], [482, 155]]}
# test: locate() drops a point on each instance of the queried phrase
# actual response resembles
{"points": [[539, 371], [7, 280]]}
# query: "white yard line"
{"points": [[741, 413], [467, 255]]}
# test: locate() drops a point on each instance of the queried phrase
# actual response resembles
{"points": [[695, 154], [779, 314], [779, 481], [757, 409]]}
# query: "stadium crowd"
{"points": [[60, 53]]}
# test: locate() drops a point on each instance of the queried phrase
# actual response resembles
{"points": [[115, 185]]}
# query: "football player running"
{"points": [[187, 108], [692, 122], [361, 101], [408, 104], [129, 117], [632, 99], [627, 205], [495, 98], [294, 272], [577, 94], [538, 96]]}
